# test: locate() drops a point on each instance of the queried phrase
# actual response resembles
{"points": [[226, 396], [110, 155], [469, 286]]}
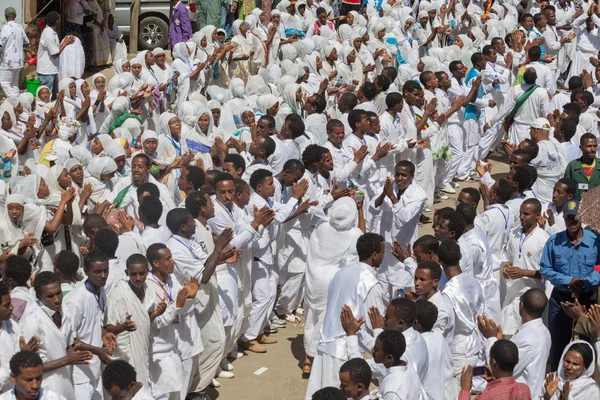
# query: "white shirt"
{"points": [[152, 235], [343, 163], [49, 45], [416, 352], [44, 395], [496, 222], [12, 38], [9, 345], [445, 325], [434, 386]]}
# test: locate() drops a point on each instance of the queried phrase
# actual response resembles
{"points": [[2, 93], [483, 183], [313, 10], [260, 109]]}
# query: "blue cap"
{"points": [[571, 208]]}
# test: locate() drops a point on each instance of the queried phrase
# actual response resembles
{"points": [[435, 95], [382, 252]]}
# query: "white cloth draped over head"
{"points": [[207, 138], [118, 65], [42, 106], [332, 244], [26, 100], [132, 128], [187, 114], [105, 140], [119, 107], [32, 220], [583, 387], [29, 187], [81, 154], [55, 192], [266, 101], [163, 124], [431, 63], [101, 189], [115, 149]]}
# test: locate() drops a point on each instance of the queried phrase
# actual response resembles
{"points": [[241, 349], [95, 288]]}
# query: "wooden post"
{"points": [[134, 26]]}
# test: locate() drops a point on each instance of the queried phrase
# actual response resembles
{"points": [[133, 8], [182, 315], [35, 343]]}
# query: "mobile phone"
{"points": [[478, 371]]}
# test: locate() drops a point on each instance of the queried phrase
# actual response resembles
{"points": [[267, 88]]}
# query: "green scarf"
{"points": [[121, 196], [119, 121], [510, 118]]}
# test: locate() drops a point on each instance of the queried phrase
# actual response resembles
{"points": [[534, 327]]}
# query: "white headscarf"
{"points": [[584, 387]]}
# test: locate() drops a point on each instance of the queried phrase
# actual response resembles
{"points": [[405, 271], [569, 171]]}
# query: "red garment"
{"points": [[501, 389], [355, 2]]}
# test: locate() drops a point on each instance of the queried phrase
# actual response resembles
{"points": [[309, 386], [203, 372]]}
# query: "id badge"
{"points": [[177, 21], [583, 186]]}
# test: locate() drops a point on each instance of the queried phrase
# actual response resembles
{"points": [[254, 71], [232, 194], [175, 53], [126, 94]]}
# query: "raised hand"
{"points": [[32, 345], [299, 189], [361, 153], [377, 320], [128, 324], [350, 324], [224, 239], [77, 356]]}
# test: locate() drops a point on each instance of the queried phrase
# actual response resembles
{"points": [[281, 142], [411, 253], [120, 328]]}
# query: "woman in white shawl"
{"points": [[348, 68], [332, 245], [67, 106], [377, 46], [72, 61], [478, 39], [101, 171], [100, 145], [98, 97], [88, 127], [328, 66], [255, 87], [119, 107], [202, 137], [313, 61], [241, 60], [21, 226], [216, 110], [188, 70], [43, 101], [363, 54], [466, 47], [576, 367], [260, 47], [237, 100], [9, 140]]}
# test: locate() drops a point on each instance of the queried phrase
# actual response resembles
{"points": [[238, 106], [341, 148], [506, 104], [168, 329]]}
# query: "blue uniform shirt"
{"points": [[561, 260]]}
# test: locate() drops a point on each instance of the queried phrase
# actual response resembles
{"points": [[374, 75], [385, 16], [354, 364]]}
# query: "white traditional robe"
{"points": [[416, 353], [53, 346], [9, 345], [44, 395], [134, 346], [434, 386], [496, 222], [550, 165], [525, 251]]}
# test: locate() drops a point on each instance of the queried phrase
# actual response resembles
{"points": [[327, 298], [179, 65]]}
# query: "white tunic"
{"points": [[550, 164], [416, 353], [9, 345], [44, 395], [434, 386], [445, 326]]}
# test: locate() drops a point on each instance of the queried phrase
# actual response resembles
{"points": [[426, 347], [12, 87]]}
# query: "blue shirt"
{"points": [[562, 261]]}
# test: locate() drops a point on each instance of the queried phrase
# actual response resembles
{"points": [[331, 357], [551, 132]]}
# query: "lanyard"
{"points": [[504, 215], [270, 203], [162, 286], [518, 196], [176, 145], [492, 65], [522, 241], [99, 299], [188, 247]]}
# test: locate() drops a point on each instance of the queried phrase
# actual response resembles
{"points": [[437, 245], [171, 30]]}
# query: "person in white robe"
{"points": [[467, 299], [44, 322], [585, 26], [582, 385], [532, 339], [356, 286], [128, 318], [523, 253], [332, 245]]}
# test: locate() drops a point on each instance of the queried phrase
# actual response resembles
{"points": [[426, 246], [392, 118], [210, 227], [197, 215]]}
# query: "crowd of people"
{"points": [[158, 225]]}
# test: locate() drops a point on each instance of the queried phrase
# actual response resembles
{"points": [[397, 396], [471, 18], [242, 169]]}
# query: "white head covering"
{"points": [[118, 66], [101, 166], [187, 113], [266, 101], [163, 124], [583, 387]]}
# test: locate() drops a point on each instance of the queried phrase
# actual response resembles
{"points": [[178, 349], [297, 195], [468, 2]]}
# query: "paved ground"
{"points": [[283, 377]]}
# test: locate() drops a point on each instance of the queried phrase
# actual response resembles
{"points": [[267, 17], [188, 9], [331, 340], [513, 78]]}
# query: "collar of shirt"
{"points": [[509, 380], [46, 310], [371, 269], [587, 240], [531, 324]]}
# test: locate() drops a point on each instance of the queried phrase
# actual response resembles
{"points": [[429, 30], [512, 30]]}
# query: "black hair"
{"points": [[454, 65], [404, 309], [535, 302], [506, 355], [349, 99], [435, 269], [537, 206], [321, 10], [449, 252], [473, 194], [537, 18], [196, 176], [17, 268], [468, 212], [586, 353], [534, 53], [426, 313], [359, 371], [94, 256], [530, 75], [151, 208], [497, 40], [504, 191], [425, 77], [585, 95], [150, 188], [393, 343], [532, 174], [312, 154], [393, 99], [146, 158], [369, 90], [237, 161], [240, 184], [136, 259], [24, 359], [476, 58], [531, 147], [269, 119], [384, 82], [152, 251], [427, 243], [4, 289], [575, 82], [194, 201], [332, 124], [107, 241], [522, 177], [391, 72], [572, 110], [293, 165], [525, 15], [411, 86], [487, 49], [176, 218], [406, 164], [355, 116], [94, 221], [44, 278], [118, 373], [568, 127], [223, 176], [296, 126], [367, 244], [522, 153], [258, 177], [456, 223], [440, 75], [52, 18], [328, 393], [67, 263], [549, 7], [570, 184], [320, 103], [587, 136]]}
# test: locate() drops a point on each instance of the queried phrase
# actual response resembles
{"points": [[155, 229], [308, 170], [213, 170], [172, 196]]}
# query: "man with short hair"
{"points": [[585, 171], [119, 379], [355, 379], [426, 314], [49, 50], [504, 357], [26, 374], [12, 40]]}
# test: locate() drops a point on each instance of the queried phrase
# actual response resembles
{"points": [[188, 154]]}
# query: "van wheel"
{"points": [[154, 32]]}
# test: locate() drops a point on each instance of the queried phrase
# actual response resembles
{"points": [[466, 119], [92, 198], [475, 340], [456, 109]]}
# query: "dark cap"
{"points": [[10, 11], [571, 208]]}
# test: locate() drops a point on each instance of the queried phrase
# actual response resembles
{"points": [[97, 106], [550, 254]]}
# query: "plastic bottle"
{"points": [[340, 81], [359, 196], [399, 293]]}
